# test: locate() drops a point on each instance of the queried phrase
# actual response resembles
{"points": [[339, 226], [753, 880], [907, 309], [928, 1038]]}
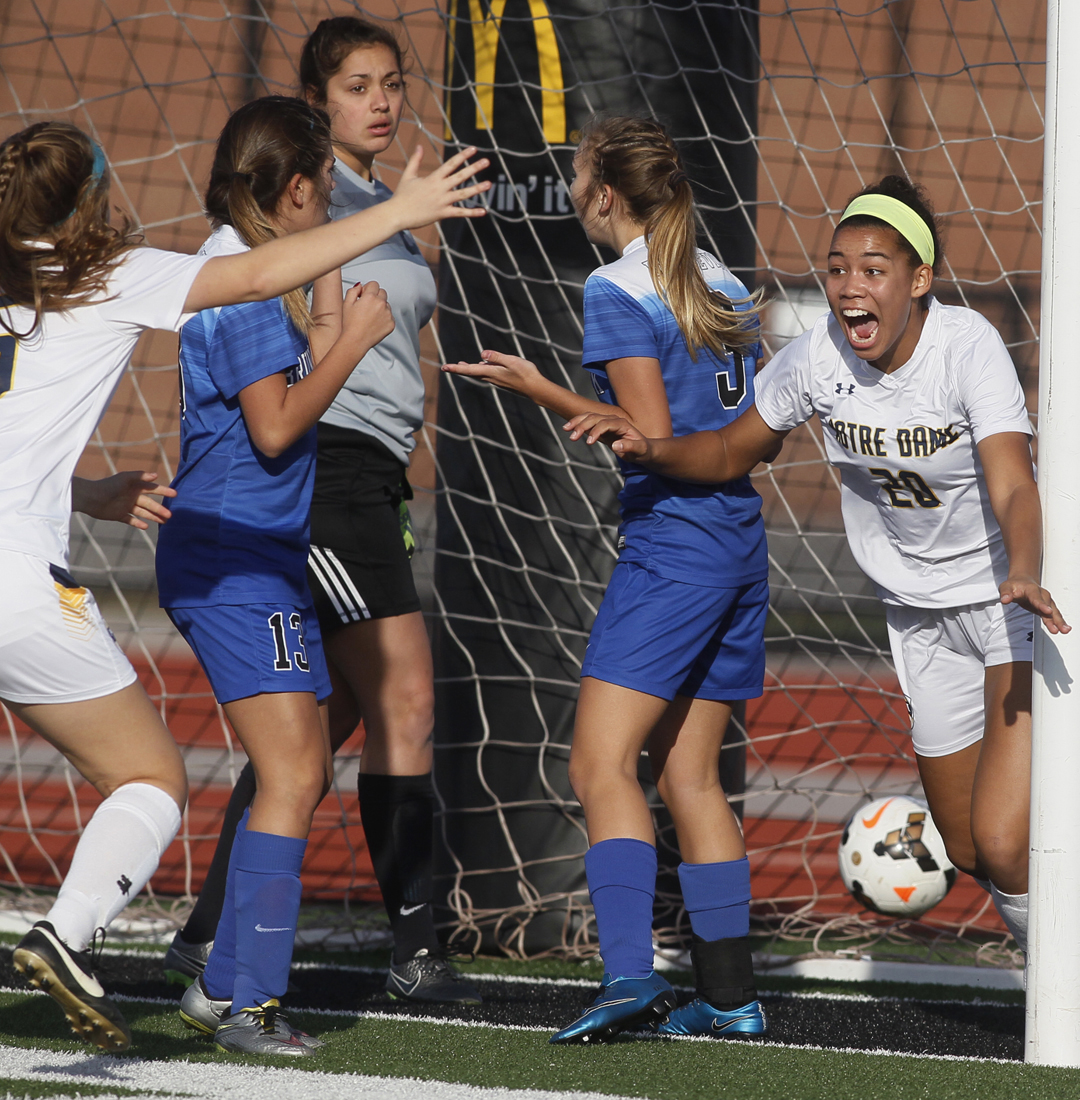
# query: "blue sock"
{"points": [[267, 905], [622, 885], [220, 973], [717, 897]]}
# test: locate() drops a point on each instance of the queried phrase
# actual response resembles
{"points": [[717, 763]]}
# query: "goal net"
{"points": [[828, 98]]}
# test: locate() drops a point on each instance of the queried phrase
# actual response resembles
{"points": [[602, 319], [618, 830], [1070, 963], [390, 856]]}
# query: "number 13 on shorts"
{"points": [[288, 633]]}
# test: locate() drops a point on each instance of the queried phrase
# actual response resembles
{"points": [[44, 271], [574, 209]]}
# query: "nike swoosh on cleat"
{"points": [[870, 822], [259, 928], [87, 982], [729, 1023], [608, 1004], [412, 909]]}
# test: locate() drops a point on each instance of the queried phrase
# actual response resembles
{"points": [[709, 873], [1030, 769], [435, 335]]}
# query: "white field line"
{"points": [[230, 1082], [577, 983], [592, 983]]}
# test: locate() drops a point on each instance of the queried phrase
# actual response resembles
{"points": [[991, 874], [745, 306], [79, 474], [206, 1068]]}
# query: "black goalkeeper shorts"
{"points": [[358, 567]]}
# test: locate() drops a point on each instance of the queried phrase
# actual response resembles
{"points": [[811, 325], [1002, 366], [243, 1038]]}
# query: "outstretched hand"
{"points": [[1034, 598], [426, 199], [619, 434], [127, 497], [508, 372]]}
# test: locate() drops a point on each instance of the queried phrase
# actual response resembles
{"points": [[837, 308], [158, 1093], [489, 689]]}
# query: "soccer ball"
{"points": [[892, 858]]}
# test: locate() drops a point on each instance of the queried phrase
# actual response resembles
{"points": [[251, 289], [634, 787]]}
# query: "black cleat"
{"points": [[49, 964], [428, 977], [184, 961]]}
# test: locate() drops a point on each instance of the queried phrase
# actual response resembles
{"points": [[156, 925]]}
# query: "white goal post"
{"points": [[1053, 977]]}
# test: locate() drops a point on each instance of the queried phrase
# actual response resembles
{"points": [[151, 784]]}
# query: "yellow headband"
{"points": [[900, 216]]}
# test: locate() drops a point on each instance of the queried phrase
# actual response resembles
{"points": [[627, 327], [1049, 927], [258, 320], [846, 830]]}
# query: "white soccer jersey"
{"points": [[56, 383], [915, 505]]}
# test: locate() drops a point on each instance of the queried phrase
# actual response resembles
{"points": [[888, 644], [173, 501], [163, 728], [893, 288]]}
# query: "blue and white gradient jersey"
{"points": [[239, 527], [710, 535]]}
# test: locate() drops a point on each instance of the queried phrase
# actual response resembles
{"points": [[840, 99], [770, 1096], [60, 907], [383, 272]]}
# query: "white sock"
{"points": [[115, 857], [982, 883], [1013, 909]]}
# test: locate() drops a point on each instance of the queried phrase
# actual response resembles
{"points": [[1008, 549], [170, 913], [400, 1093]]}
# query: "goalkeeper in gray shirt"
{"points": [[359, 571]]}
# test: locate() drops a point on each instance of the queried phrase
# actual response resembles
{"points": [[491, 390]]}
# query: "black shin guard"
{"points": [[724, 972], [202, 924], [397, 812]]}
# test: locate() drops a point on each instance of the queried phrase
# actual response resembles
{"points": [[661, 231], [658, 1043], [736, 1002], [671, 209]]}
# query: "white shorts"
{"points": [[941, 656], [54, 644]]}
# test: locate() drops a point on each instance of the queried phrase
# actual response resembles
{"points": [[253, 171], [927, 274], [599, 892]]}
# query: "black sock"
{"points": [[397, 812], [724, 972], [202, 925]]}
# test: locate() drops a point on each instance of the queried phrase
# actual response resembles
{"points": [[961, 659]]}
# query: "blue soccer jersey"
{"points": [[709, 535], [239, 527]]}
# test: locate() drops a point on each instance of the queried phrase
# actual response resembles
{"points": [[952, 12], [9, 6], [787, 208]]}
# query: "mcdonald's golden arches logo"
{"points": [[486, 27]]}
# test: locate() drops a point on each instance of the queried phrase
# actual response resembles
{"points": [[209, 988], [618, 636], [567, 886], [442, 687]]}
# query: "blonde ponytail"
{"points": [[637, 158]]}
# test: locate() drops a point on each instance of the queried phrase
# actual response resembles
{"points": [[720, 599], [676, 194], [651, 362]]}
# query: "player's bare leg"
{"points": [[286, 737], [948, 782], [1000, 802], [386, 665], [611, 727], [116, 739], [684, 750], [979, 796], [120, 745]]}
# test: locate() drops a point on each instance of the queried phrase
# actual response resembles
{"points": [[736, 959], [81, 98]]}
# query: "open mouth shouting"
{"points": [[861, 326]]}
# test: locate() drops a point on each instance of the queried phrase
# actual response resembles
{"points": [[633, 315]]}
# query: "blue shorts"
{"points": [[252, 649], [667, 638]]}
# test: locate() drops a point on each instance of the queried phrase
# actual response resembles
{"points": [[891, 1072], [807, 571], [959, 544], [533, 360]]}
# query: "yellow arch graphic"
{"points": [[485, 28]]}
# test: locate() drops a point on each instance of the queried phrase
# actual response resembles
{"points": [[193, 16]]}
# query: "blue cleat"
{"points": [[623, 1003], [700, 1018]]}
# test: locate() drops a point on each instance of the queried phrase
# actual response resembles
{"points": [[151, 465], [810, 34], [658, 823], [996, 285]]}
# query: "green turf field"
{"points": [[168, 1060]]}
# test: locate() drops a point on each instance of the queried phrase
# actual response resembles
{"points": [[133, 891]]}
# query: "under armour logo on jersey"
{"points": [[1031, 635], [124, 883], [850, 388]]}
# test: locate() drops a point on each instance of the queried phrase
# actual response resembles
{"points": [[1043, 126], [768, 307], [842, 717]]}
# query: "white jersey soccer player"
{"points": [[916, 507], [915, 504], [924, 418]]}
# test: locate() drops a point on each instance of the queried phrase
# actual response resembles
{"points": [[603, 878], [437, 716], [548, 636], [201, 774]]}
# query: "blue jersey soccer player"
{"points": [[671, 340], [231, 561]]}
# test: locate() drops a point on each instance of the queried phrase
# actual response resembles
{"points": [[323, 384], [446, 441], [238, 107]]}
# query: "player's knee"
{"points": [[579, 774], [962, 854], [301, 785], [1001, 853], [688, 782], [167, 775], [415, 712]]}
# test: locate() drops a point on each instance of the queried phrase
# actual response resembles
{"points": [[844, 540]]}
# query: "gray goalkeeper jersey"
{"points": [[384, 396]]}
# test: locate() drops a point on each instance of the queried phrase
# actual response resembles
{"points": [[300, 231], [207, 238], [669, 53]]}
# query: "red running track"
{"points": [[793, 862]]}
